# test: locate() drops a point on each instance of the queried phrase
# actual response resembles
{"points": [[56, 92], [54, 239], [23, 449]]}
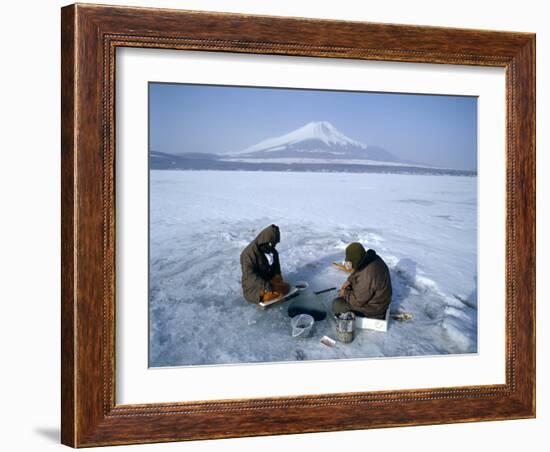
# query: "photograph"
{"points": [[294, 224]]}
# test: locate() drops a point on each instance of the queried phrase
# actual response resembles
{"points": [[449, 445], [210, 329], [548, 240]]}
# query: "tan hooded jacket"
{"points": [[256, 271], [370, 291]]}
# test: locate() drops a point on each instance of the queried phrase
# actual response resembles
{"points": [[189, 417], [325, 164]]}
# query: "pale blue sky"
{"points": [[437, 130]]}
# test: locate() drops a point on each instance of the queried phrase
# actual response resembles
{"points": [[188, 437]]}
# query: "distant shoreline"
{"points": [[183, 164]]}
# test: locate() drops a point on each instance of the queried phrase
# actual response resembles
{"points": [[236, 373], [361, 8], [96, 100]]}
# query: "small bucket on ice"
{"points": [[302, 325], [344, 326]]}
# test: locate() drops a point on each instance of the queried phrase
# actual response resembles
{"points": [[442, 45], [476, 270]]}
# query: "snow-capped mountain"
{"points": [[315, 140], [322, 133]]}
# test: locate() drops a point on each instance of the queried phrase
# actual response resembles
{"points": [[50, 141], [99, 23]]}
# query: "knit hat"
{"points": [[354, 254]]}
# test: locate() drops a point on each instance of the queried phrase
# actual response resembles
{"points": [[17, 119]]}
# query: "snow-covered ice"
{"points": [[424, 227]]}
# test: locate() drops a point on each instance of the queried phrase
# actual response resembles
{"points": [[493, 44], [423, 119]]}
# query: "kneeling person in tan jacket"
{"points": [[367, 291], [261, 270]]}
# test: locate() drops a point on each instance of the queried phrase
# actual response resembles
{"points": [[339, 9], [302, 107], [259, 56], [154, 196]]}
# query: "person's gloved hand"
{"points": [[279, 285], [342, 291]]}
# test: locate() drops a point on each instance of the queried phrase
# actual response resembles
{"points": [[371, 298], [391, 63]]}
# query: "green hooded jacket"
{"points": [[369, 292], [256, 270]]}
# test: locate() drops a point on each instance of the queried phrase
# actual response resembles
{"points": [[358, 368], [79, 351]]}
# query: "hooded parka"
{"points": [[369, 291], [257, 272]]}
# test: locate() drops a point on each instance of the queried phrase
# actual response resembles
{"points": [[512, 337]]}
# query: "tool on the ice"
{"points": [[402, 316], [344, 267], [328, 341], [345, 322], [291, 294], [302, 325], [319, 292]]}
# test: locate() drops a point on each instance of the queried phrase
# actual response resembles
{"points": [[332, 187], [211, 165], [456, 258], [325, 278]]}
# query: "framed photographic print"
{"points": [[280, 225]]}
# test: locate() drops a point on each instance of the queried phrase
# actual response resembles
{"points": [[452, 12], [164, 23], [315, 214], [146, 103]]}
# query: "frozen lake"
{"points": [[424, 227]]}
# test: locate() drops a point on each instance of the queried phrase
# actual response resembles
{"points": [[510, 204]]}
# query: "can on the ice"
{"points": [[345, 322]]}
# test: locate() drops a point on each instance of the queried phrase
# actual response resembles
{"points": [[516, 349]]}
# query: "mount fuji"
{"points": [[316, 140]]}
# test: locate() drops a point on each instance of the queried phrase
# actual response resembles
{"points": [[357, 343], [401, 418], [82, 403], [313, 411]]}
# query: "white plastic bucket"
{"points": [[302, 325]]}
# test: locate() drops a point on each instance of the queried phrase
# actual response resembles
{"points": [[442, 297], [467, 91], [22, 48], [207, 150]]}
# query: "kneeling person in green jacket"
{"points": [[261, 270], [367, 291]]}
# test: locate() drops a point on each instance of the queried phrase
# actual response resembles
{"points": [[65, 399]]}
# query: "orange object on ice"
{"points": [[268, 296]]}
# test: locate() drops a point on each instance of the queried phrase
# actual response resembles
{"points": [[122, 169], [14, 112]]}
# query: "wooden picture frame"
{"points": [[90, 35]]}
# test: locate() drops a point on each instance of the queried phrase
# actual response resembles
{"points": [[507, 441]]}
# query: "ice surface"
{"points": [[424, 227]]}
